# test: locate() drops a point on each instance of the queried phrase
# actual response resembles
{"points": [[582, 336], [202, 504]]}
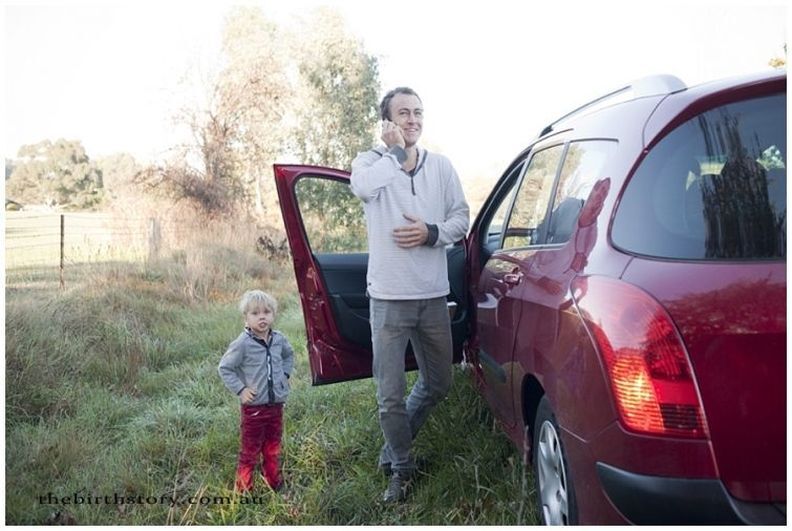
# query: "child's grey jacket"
{"points": [[261, 367]]}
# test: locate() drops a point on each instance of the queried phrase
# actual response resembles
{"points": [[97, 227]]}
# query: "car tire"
{"points": [[555, 495]]}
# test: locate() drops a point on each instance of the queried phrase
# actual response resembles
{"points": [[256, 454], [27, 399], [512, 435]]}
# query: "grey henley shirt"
{"points": [[434, 194]]}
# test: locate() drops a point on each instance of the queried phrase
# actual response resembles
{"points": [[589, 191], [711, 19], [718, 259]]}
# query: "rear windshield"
{"points": [[713, 189]]}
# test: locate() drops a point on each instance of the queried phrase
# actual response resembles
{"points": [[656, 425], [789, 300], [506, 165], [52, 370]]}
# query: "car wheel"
{"points": [[555, 495]]}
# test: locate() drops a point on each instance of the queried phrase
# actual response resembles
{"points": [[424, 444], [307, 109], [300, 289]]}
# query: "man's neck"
{"points": [[412, 158]]}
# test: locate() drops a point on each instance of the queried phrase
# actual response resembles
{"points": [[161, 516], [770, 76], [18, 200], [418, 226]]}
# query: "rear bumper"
{"points": [[665, 501]]}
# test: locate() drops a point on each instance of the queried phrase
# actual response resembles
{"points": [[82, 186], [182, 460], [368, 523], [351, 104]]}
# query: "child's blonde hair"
{"points": [[256, 298]]}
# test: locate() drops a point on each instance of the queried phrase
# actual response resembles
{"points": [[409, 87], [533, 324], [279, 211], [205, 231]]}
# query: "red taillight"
{"points": [[646, 362]]}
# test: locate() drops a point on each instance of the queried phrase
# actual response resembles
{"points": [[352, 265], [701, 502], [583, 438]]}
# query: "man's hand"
{"points": [[412, 235], [392, 134], [247, 395]]}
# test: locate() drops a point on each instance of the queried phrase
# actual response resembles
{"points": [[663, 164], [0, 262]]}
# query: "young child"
{"points": [[256, 367]]}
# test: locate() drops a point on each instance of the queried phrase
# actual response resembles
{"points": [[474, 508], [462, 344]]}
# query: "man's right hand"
{"points": [[247, 395], [392, 134]]}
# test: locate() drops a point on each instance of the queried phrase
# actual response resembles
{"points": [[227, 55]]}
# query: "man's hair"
{"points": [[385, 104], [256, 298]]}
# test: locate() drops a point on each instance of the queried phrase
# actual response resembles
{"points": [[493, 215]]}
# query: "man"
{"points": [[414, 207]]}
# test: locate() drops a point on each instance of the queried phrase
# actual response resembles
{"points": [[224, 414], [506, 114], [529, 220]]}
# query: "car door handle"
{"points": [[513, 278]]}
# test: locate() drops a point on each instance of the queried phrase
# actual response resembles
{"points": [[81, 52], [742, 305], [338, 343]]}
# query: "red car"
{"points": [[621, 298]]}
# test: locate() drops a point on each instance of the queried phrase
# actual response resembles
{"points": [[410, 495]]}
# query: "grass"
{"points": [[112, 392]]}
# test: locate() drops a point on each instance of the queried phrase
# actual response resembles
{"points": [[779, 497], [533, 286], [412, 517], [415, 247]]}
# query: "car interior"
{"points": [[344, 275]]}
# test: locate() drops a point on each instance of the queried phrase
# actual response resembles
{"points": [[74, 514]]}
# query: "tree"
{"points": [[338, 88], [254, 94], [237, 132], [58, 174], [204, 171], [312, 93], [335, 118], [117, 170]]}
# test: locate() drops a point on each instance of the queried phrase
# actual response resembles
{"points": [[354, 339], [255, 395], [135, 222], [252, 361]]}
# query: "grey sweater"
{"points": [[247, 363], [435, 195]]}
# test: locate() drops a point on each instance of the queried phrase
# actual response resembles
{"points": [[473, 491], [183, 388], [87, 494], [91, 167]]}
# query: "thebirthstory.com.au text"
{"points": [[77, 498]]}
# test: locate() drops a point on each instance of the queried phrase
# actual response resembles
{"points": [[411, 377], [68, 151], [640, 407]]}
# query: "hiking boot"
{"points": [[397, 487]]}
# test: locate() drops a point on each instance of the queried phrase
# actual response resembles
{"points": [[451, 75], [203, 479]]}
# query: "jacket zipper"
{"points": [[270, 387], [270, 382]]}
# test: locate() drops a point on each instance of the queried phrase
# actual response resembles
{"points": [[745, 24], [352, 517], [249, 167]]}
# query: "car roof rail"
{"points": [[640, 88]]}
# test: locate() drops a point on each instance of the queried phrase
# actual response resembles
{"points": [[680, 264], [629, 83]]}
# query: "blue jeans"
{"points": [[426, 324]]}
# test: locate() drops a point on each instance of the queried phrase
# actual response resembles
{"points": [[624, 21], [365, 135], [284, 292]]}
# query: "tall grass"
{"points": [[112, 391]]}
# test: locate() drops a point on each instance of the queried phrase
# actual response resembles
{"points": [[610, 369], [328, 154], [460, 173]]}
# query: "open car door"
{"points": [[326, 229]]}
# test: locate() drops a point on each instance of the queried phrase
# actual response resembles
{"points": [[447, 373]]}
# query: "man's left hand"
{"points": [[412, 235]]}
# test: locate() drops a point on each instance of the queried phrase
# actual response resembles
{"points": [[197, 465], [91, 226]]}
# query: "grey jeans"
{"points": [[426, 324]]}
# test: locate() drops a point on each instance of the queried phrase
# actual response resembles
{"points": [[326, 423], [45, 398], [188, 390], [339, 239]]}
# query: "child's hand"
{"points": [[247, 395]]}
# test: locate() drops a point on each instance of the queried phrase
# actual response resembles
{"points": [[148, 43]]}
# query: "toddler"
{"points": [[256, 367]]}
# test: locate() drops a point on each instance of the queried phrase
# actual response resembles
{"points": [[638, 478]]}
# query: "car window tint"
{"points": [[533, 197], [713, 189], [582, 167], [332, 216]]}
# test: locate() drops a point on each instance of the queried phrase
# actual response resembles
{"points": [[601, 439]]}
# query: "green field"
{"points": [[112, 394]]}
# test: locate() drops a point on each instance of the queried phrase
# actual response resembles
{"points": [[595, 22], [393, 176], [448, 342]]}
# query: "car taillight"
{"points": [[646, 362]]}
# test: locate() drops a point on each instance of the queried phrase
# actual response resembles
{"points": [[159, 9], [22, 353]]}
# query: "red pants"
{"points": [[261, 428]]}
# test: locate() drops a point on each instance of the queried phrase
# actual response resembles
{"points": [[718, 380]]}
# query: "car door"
{"points": [[326, 231], [523, 299], [500, 286]]}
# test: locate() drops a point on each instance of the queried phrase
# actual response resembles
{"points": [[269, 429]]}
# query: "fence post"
{"points": [[154, 239], [61, 249]]}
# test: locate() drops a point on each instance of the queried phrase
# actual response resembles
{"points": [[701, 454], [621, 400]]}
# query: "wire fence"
{"points": [[68, 239], [42, 248]]}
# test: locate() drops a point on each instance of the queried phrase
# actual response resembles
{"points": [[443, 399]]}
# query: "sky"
{"points": [[490, 74]]}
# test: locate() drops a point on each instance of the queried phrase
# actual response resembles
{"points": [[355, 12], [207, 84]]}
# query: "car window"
{"points": [[582, 167], [712, 189], [533, 197], [332, 216], [495, 227], [498, 209]]}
